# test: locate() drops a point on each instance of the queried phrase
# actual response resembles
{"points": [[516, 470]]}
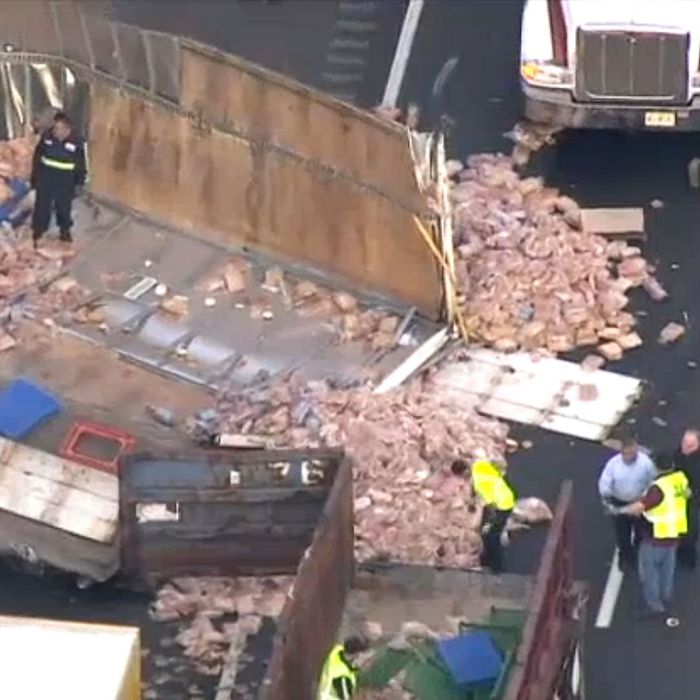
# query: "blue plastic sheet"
{"points": [[23, 405]]}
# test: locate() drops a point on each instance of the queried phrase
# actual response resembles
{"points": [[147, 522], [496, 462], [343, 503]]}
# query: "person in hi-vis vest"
{"points": [[498, 496], [339, 675], [665, 519]]}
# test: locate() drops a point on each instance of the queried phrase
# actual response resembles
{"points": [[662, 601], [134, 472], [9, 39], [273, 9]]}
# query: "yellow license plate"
{"points": [[665, 119]]}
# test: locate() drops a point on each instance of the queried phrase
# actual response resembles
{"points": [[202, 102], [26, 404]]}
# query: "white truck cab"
{"points": [[612, 64]]}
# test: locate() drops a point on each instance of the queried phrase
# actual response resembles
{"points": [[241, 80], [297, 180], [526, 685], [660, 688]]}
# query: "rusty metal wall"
{"points": [[255, 159], [311, 618], [549, 628], [260, 522]]}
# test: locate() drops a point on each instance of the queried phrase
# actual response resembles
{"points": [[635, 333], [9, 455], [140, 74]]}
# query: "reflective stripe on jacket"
{"points": [[58, 164], [334, 668], [491, 486], [669, 519], [65, 160]]}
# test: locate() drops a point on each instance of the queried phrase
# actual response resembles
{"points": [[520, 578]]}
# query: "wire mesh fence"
{"points": [[82, 34]]}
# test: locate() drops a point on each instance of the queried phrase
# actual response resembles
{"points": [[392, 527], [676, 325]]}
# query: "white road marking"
{"points": [[611, 593], [403, 53]]}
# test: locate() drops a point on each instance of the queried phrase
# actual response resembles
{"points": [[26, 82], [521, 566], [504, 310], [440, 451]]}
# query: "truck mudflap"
{"points": [[221, 512], [550, 659]]}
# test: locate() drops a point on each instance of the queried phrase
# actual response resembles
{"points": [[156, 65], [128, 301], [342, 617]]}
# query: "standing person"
{"points": [[625, 479], [339, 675], [664, 521], [59, 168], [499, 498], [687, 459]]}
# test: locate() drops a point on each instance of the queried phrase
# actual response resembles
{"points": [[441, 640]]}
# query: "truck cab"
{"points": [[624, 65]]}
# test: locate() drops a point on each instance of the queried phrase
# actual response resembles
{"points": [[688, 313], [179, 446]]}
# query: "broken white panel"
{"points": [[58, 492], [544, 392], [157, 512]]}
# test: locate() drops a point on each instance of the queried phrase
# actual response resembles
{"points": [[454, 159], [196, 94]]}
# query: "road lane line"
{"points": [[611, 593], [403, 53]]}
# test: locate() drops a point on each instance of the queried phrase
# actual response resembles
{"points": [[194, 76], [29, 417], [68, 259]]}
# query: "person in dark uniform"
{"points": [[687, 459], [59, 167]]}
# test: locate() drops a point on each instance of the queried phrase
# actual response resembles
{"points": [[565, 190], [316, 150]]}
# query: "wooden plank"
{"points": [[227, 680], [60, 493], [68, 510], [614, 221], [47, 489], [63, 471]]}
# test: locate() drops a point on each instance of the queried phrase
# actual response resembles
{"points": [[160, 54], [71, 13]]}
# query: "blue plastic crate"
{"points": [[472, 658]]}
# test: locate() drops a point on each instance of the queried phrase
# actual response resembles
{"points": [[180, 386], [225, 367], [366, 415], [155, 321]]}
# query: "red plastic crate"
{"points": [[85, 430]]}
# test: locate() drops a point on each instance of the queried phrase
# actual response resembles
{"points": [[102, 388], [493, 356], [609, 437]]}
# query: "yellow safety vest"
{"points": [[669, 519], [491, 486], [335, 667]]}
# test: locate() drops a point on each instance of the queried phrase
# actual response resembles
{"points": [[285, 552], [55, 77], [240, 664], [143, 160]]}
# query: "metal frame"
{"points": [[550, 627]]}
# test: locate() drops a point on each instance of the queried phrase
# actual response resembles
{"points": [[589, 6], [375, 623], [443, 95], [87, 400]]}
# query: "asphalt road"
{"points": [[341, 47], [631, 659], [481, 96]]}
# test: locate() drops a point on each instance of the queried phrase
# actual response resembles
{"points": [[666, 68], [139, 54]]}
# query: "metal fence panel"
{"points": [[101, 38], [164, 53], [71, 30], [41, 29], [133, 55]]}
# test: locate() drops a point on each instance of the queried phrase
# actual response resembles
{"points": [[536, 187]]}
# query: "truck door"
{"points": [[221, 512]]}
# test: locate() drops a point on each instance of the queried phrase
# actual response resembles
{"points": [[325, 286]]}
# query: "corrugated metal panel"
{"points": [[58, 492], [77, 661]]}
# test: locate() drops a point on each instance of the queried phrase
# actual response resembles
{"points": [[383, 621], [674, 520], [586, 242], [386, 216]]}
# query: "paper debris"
{"points": [[671, 332], [176, 305], [610, 351], [654, 289]]}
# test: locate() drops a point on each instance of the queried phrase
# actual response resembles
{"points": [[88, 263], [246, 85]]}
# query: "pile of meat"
{"points": [[408, 507], [215, 611], [33, 281], [529, 277], [309, 300], [16, 160]]}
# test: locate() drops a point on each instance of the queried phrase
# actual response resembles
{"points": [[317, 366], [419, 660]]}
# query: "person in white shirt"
{"points": [[624, 480]]}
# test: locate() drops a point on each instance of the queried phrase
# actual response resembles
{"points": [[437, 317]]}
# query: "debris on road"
{"points": [[199, 601], [671, 332], [176, 305], [656, 203], [529, 278], [610, 351], [591, 363], [529, 138], [654, 289], [614, 222], [7, 342], [531, 511], [659, 421], [408, 506], [161, 415]]}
